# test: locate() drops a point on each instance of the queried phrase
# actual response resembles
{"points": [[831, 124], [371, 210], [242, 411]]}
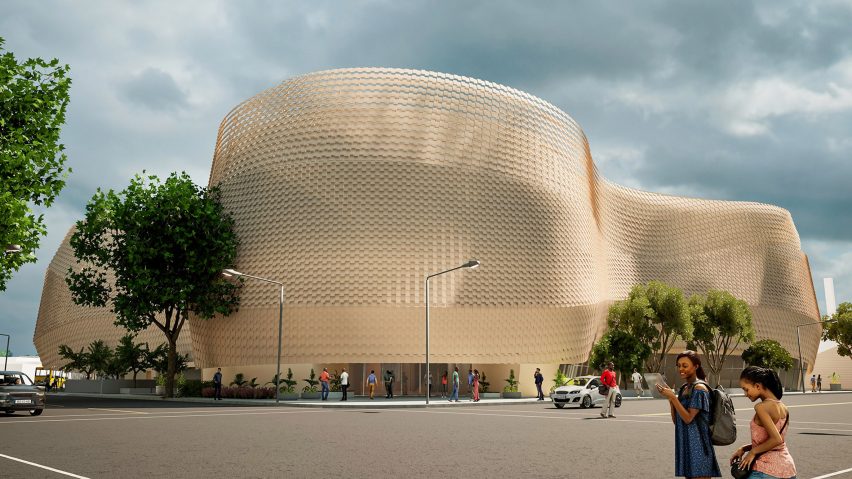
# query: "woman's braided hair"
{"points": [[765, 377]]}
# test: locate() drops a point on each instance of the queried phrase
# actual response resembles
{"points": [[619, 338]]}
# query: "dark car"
{"points": [[18, 393]]}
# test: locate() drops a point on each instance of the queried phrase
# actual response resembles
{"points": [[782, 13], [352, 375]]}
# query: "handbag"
{"points": [[738, 473], [603, 389]]}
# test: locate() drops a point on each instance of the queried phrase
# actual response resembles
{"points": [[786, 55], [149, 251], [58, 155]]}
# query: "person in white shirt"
{"points": [[344, 383], [637, 382]]}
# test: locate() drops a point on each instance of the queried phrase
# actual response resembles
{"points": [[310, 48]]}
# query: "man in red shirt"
{"points": [[324, 377], [608, 379]]}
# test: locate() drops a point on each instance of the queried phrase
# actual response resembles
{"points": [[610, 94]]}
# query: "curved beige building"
{"points": [[352, 185]]}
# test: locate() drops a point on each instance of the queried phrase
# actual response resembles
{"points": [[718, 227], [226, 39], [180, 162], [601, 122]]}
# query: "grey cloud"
{"points": [[156, 90]]}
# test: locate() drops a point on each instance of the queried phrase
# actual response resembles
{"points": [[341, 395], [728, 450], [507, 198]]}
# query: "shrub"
{"points": [[208, 392], [560, 380], [192, 388], [511, 383]]}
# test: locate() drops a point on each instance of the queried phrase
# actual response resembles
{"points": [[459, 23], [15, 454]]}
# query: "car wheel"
{"points": [[558, 405], [618, 400], [36, 412], [586, 402]]}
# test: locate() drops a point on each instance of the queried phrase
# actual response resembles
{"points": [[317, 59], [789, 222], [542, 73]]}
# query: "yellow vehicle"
{"points": [[51, 379]]}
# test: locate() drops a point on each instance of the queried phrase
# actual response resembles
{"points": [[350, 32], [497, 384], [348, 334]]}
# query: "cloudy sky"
{"points": [[728, 100]]}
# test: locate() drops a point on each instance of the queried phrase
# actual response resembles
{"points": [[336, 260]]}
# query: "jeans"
{"points": [[217, 391], [763, 475], [540, 392], [344, 387], [324, 390], [455, 395]]}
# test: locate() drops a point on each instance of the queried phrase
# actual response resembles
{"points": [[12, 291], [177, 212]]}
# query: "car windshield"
{"points": [[577, 382], [15, 379]]}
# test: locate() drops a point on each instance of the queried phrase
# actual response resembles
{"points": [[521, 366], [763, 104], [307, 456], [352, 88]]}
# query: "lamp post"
{"points": [[9, 249], [231, 272], [469, 265], [799, 344]]}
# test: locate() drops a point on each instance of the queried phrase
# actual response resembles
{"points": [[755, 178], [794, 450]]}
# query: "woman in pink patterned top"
{"points": [[767, 456]]}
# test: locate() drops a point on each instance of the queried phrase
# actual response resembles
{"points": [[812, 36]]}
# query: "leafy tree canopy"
{"points": [[33, 99], [625, 351], [720, 323], [840, 330], [154, 254], [768, 353]]}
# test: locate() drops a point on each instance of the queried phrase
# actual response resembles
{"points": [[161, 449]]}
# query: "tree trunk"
{"points": [[170, 375], [134, 378]]}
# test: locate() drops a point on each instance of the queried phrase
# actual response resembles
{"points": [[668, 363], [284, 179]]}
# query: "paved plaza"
{"points": [[107, 438]]}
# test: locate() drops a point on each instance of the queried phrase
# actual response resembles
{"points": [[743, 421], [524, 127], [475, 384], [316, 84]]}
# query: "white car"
{"points": [[582, 391]]}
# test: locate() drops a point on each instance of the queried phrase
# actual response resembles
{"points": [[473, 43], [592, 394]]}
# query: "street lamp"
{"points": [[6, 353], [799, 344], [231, 272], [10, 249], [469, 265]]}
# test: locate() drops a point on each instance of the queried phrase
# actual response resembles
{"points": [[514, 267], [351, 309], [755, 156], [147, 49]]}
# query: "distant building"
{"points": [[350, 186]]}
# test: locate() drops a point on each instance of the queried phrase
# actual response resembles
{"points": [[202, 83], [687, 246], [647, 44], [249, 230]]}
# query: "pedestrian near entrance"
{"points": [[324, 378], [428, 379], [371, 383], [389, 384], [455, 395], [475, 385], [690, 411], [470, 382], [608, 379], [444, 385], [538, 380], [819, 383], [217, 385], [767, 455], [344, 383], [637, 382], [813, 383]]}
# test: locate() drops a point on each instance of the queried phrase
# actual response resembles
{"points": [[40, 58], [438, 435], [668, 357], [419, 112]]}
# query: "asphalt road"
{"points": [[97, 438]]}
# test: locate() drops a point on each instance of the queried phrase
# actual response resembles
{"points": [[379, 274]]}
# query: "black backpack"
{"points": [[723, 416]]}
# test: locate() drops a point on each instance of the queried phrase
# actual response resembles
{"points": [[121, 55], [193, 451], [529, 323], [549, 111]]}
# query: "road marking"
{"points": [[116, 410], [831, 474], [38, 420], [48, 468], [165, 411]]}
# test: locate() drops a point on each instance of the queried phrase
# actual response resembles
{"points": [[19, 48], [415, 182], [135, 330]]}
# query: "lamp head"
{"points": [[13, 248], [472, 264], [230, 272]]}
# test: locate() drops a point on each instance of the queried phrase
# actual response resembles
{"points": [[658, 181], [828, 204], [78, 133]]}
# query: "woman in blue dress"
{"points": [[690, 409]]}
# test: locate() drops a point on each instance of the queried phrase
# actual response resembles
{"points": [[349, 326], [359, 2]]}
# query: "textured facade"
{"points": [[350, 186]]}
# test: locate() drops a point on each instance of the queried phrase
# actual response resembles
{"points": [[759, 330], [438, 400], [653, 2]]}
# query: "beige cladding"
{"points": [[350, 186]]}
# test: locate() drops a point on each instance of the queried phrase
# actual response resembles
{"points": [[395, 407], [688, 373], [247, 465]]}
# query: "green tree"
{"points": [[134, 356], [5, 353], [623, 349], [158, 360], [33, 100], [511, 383], [720, 323], [165, 244], [768, 353], [671, 318], [77, 361], [840, 330], [100, 356]]}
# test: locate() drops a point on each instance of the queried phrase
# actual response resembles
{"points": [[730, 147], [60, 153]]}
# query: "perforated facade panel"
{"points": [[350, 186]]}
